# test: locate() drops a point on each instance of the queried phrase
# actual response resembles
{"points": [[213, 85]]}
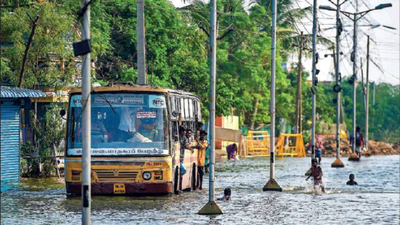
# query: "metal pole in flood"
{"points": [[338, 162], [141, 43], [367, 99], [314, 86], [212, 207], [354, 156], [86, 126], [272, 185]]}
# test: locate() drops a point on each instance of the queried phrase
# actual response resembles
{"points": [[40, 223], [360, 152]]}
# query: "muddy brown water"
{"points": [[374, 201]]}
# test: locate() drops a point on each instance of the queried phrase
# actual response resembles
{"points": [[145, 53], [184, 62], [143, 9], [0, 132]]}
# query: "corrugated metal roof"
{"points": [[13, 92]]}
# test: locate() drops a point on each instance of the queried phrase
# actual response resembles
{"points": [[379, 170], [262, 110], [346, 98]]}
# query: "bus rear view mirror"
{"points": [[175, 113]]}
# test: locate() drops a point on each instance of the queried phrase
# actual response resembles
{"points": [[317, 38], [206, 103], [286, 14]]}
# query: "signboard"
{"points": [[113, 99], [157, 101], [119, 151], [119, 99], [145, 115], [224, 134]]}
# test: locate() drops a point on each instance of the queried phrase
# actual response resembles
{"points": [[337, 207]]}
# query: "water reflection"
{"points": [[374, 201]]}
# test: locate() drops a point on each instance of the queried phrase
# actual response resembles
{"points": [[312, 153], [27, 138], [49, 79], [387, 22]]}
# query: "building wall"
{"points": [[230, 122], [10, 143]]}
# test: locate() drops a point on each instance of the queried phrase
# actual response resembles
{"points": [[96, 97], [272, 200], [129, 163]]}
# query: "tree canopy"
{"points": [[39, 53]]}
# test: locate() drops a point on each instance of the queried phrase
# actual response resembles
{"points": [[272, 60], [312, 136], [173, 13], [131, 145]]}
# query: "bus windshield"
{"points": [[122, 124]]}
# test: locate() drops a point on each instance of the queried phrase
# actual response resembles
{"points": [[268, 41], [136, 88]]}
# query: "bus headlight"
{"points": [[146, 175]]}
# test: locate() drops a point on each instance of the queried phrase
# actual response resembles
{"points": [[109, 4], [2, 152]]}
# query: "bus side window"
{"points": [[198, 110], [175, 133], [196, 116], [187, 113], [191, 111], [173, 107]]}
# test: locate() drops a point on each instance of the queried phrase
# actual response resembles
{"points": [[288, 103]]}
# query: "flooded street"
{"points": [[374, 201]]}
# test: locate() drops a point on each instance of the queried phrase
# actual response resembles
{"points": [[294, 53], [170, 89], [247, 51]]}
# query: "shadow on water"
{"points": [[374, 201]]}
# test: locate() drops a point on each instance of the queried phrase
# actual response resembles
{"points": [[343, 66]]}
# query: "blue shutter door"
{"points": [[10, 144]]}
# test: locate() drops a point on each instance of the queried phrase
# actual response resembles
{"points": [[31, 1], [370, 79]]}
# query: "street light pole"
{"points": [[86, 124], [314, 91], [212, 208], [353, 147], [337, 88], [355, 17], [272, 185], [367, 98], [141, 43], [338, 162]]}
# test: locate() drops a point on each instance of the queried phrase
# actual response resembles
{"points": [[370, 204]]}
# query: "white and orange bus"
{"points": [[135, 141]]}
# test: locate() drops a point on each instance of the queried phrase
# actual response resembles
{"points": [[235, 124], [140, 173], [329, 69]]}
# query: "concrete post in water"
{"points": [[272, 185], [86, 126], [338, 162], [314, 87], [212, 208], [141, 43]]}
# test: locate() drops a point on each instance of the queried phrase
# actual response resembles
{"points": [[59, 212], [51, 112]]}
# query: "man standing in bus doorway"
{"points": [[202, 145], [184, 144]]}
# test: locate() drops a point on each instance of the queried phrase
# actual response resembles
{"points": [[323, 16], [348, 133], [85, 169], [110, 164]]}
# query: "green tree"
{"points": [[49, 61]]}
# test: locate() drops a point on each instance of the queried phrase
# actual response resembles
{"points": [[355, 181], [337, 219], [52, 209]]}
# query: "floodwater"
{"points": [[374, 201]]}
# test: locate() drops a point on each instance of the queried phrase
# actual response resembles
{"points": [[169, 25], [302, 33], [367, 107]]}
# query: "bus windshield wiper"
{"points": [[105, 99]]}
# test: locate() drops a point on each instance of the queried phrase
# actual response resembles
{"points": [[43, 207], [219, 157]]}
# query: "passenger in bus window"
{"points": [[98, 130], [184, 142], [202, 145], [126, 126], [148, 129], [199, 126], [127, 122], [189, 135]]}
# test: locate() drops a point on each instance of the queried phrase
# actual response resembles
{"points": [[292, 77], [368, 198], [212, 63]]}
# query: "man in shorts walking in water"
{"points": [[316, 173]]}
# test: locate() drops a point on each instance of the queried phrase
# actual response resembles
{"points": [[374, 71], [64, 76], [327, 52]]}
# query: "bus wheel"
{"points": [[176, 181], [194, 177]]}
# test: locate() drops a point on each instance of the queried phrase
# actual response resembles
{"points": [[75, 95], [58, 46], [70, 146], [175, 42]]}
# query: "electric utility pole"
{"points": [[141, 43], [272, 185]]}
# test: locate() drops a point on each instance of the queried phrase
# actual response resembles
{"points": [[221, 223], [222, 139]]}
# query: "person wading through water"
{"points": [[316, 173]]}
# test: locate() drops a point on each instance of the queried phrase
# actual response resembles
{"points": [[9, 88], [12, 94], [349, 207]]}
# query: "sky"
{"points": [[384, 44]]}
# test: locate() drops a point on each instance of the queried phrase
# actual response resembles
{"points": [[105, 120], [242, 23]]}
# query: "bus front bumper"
{"points": [[75, 189]]}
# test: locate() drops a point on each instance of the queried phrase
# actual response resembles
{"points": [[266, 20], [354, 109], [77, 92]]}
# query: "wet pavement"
{"points": [[374, 201]]}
